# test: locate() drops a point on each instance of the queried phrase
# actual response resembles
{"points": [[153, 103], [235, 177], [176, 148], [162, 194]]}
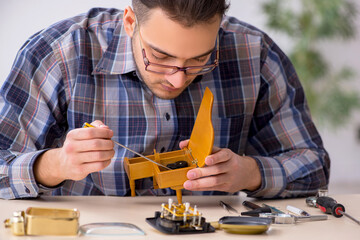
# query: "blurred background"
{"points": [[322, 38]]}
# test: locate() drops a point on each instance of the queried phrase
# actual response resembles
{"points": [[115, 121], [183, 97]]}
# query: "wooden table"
{"points": [[135, 210]]}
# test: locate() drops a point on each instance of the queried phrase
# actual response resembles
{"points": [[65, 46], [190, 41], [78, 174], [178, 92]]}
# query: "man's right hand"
{"points": [[85, 150]]}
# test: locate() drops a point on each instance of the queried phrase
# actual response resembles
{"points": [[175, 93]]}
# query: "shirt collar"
{"points": [[118, 57]]}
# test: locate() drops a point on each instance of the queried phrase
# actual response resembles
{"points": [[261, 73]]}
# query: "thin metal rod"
{"points": [[349, 216], [91, 126], [141, 155]]}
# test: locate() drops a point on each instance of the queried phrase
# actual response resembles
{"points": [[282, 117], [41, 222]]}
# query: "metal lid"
{"points": [[202, 136]]}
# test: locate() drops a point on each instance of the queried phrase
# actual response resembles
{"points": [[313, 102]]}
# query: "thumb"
{"points": [[99, 124], [184, 143], [215, 149]]}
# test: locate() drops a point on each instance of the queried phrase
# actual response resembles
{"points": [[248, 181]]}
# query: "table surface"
{"points": [[135, 209]]}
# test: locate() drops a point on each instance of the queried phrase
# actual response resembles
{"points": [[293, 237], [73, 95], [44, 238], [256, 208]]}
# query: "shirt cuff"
{"points": [[273, 178], [22, 179]]}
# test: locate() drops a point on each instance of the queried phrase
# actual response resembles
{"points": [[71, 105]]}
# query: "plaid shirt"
{"points": [[82, 69]]}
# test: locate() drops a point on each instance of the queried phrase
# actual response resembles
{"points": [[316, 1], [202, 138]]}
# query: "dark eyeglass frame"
{"points": [[176, 69]]}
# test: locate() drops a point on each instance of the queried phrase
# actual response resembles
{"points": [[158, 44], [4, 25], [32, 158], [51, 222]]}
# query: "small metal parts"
{"points": [[16, 223], [273, 214], [179, 219], [297, 211], [279, 217], [311, 201], [282, 218]]}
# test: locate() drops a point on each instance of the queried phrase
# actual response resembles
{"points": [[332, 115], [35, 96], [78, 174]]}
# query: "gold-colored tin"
{"points": [[44, 221]]}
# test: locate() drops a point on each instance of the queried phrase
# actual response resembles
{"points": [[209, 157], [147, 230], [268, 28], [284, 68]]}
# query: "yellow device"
{"points": [[199, 147]]}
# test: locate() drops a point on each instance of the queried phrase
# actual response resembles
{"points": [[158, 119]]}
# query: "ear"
{"points": [[129, 21]]}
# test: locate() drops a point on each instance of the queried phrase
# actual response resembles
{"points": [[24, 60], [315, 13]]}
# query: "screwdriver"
{"points": [[88, 125], [331, 206], [256, 209]]}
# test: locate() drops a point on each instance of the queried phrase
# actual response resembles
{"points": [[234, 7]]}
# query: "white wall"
{"points": [[19, 19]]}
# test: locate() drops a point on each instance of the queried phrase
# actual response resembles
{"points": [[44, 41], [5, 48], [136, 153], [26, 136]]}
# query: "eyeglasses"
{"points": [[169, 70]]}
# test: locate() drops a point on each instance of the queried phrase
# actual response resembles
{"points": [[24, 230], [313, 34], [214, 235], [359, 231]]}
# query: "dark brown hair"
{"points": [[185, 12]]}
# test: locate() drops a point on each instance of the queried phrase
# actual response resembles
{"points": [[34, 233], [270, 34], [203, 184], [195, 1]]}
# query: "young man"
{"points": [[138, 75]]}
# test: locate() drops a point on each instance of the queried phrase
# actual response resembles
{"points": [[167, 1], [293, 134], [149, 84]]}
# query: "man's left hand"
{"points": [[224, 171]]}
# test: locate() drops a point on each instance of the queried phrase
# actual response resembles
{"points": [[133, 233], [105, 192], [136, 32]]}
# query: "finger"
{"points": [[99, 124], [208, 171], [90, 133], [215, 149], [209, 183], [81, 171], [184, 143], [75, 147], [93, 145], [95, 156], [96, 166], [217, 188], [76, 159], [223, 155]]}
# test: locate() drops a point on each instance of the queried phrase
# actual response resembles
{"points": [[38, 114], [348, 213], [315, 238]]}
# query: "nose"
{"points": [[177, 79]]}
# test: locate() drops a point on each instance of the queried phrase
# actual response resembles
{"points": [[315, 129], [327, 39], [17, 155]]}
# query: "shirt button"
{"points": [[167, 116], [162, 149], [27, 190]]}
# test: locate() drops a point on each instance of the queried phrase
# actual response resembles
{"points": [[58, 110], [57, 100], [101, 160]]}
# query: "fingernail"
{"points": [[209, 161], [191, 175], [187, 185]]}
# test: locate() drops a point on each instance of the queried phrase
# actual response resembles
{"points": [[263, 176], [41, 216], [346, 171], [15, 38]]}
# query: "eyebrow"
{"points": [[169, 55]]}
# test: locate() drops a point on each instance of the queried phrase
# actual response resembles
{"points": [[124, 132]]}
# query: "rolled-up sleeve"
{"points": [[30, 118], [283, 138]]}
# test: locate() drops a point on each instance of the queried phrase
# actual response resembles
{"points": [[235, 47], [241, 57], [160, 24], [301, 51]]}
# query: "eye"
{"points": [[203, 59], [158, 57]]}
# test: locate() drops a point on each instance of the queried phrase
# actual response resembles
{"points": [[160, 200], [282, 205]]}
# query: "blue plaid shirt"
{"points": [[82, 69]]}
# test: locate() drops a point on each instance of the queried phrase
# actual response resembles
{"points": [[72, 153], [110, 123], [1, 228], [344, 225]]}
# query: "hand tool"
{"points": [[330, 206], [297, 211], [256, 209], [250, 205], [229, 208], [273, 209], [311, 201], [88, 125], [281, 218]]}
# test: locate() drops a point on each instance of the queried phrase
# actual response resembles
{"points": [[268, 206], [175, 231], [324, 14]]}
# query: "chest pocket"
{"points": [[231, 130]]}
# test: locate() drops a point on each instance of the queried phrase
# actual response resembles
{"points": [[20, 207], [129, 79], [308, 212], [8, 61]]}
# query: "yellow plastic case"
{"points": [[200, 146]]}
